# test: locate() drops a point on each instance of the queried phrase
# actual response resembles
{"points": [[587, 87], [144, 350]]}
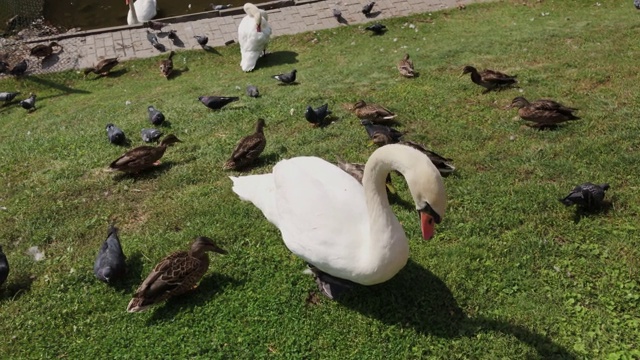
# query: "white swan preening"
{"points": [[253, 35], [140, 11], [338, 226]]}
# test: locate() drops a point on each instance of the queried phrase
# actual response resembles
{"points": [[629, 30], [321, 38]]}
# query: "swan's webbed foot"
{"points": [[330, 286]]}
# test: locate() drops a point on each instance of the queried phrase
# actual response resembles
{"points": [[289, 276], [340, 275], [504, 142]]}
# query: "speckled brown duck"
{"points": [[543, 112], [248, 149], [143, 157]]}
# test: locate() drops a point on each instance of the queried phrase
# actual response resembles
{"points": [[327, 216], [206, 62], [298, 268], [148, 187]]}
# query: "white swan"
{"points": [[140, 11], [338, 226], [253, 35]]}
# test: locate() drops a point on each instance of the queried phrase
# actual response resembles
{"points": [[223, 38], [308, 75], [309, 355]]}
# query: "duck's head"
{"points": [[203, 244], [381, 139], [260, 125], [519, 102], [169, 140], [468, 69]]}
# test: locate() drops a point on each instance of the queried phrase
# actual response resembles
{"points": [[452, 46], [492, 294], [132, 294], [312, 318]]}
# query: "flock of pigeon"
{"points": [[181, 271]]}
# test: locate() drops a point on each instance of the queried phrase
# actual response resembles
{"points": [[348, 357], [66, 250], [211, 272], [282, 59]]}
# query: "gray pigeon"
{"points": [[217, 102], [366, 10], [20, 68], [153, 39], [288, 78], [253, 91], [316, 116], [110, 263], [115, 134], [202, 40], [29, 103], [587, 196], [156, 117], [4, 267], [8, 96], [337, 14], [377, 28], [636, 3], [150, 135]]}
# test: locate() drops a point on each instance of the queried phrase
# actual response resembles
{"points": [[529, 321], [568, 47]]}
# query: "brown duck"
{"points": [[103, 67], [489, 79], [544, 112], [248, 149], [143, 157], [356, 170], [166, 65], [377, 114], [405, 67], [42, 50], [174, 275]]}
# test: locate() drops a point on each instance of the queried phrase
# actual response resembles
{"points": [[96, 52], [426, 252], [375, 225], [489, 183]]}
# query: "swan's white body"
{"points": [[331, 221], [254, 33], [141, 11]]}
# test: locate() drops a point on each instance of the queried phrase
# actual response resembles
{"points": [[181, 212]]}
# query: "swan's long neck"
{"points": [[132, 17]]}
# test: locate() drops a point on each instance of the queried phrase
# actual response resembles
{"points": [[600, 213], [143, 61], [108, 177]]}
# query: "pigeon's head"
{"points": [[519, 102], [109, 126], [151, 108], [106, 273], [294, 71], [468, 69]]}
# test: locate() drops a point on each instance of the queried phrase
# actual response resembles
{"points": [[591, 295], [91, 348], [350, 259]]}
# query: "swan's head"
{"points": [[255, 13], [424, 181]]}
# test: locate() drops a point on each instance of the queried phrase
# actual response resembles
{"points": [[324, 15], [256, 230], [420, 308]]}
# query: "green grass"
{"points": [[511, 273]]}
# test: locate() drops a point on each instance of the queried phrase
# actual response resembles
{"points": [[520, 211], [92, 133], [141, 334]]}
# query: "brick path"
{"points": [[84, 49]]}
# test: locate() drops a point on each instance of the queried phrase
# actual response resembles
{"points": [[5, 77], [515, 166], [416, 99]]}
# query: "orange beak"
{"points": [[427, 224]]}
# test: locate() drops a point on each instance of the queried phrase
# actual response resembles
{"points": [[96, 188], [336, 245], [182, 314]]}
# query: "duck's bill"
{"points": [[427, 224]]}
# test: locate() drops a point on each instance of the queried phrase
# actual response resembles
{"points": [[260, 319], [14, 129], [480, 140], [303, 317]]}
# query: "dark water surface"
{"points": [[95, 14]]}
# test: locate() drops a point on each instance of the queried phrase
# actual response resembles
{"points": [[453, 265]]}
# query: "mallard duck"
{"points": [[405, 66], [587, 196], [442, 163], [143, 157], [489, 79], [248, 148], [377, 114], [103, 67], [390, 135], [166, 65], [174, 275], [43, 50], [543, 112], [357, 171]]}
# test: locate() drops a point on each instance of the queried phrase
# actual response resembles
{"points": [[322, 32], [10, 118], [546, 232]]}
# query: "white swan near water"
{"points": [[254, 33], [141, 11], [338, 226]]}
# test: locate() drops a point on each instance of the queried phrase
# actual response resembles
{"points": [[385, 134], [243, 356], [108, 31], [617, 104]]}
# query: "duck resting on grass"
{"points": [[489, 79], [103, 67], [248, 149], [375, 113], [543, 112], [174, 275], [346, 232], [254, 33], [405, 67], [143, 157]]}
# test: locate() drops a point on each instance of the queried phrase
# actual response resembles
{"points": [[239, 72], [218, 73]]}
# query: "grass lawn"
{"points": [[511, 272]]}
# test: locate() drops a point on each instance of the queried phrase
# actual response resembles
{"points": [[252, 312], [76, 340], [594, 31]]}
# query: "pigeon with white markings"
{"points": [[287, 78], [587, 196], [150, 135], [156, 117], [636, 3], [115, 134], [29, 103], [110, 263], [8, 96], [252, 91]]}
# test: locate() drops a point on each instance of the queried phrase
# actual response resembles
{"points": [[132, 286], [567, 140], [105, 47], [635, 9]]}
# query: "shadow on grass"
{"points": [[53, 85], [16, 287], [110, 74], [133, 276], [208, 288], [418, 299], [148, 174], [211, 50], [581, 212], [176, 73], [278, 58]]}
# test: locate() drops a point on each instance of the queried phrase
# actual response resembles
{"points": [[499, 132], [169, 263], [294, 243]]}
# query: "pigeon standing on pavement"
{"points": [[366, 10], [287, 78], [156, 117], [115, 134], [150, 135], [29, 103], [110, 262], [202, 40], [153, 39], [587, 196], [217, 102], [252, 91]]}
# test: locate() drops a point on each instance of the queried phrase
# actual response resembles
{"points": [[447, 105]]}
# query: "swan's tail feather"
{"points": [[259, 190]]}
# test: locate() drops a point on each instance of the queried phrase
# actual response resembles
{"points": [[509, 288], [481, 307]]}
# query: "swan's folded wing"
{"points": [[322, 211]]}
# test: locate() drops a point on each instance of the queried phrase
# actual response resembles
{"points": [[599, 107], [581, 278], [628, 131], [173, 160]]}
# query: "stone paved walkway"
{"points": [[127, 42]]}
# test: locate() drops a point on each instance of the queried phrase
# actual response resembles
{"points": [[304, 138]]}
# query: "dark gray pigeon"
{"points": [[111, 262], [150, 135], [253, 91], [29, 103], [316, 116], [155, 25], [377, 28], [366, 10], [636, 3], [8, 96], [288, 78], [3, 67], [587, 196], [217, 102], [153, 39], [337, 14], [4, 267], [20, 68], [156, 117], [393, 134], [202, 40], [115, 134]]}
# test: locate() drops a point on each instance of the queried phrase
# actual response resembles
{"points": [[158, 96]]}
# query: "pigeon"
{"points": [[20, 68], [202, 40], [156, 117], [8, 96], [115, 134], [155, 25], [253, 91], [636, 3], [219, 7], [3, 67], [166, 65], [29, 103], [372, 129], [150, 135], [316, 116], [337, 14], [110, 263], [217, 102], [288, 78], [4, 267], [173, 36], [153, 39], [366, 10], [377, 28], [587, 196]]}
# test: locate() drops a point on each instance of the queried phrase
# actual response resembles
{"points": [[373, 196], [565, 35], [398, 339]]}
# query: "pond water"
{"points": [[95, 14]]}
